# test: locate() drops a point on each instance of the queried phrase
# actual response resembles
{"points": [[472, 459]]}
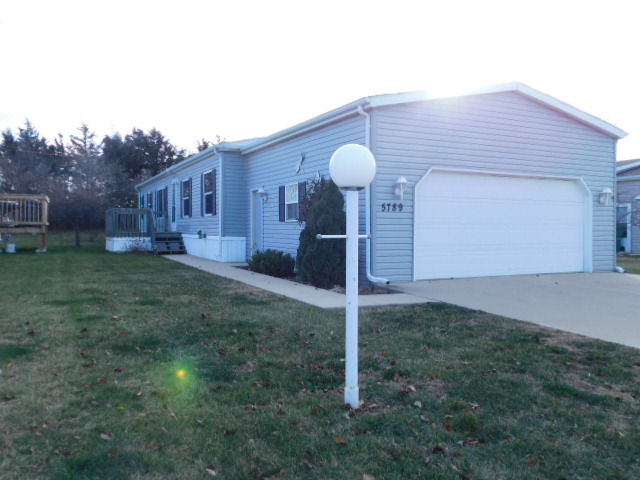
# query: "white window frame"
{"points": [[291, 199], [186, 198], [206, 194]]}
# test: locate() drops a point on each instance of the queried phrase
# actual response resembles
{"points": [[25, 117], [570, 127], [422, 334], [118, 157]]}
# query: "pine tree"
{"points": [[322, 262]]}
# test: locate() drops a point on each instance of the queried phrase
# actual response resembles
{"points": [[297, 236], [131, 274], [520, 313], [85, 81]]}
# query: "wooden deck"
{"points": [[21, 213]]}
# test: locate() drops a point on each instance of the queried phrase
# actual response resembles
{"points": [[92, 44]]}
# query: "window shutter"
{"points": [[215, 192], [281, 202], [202, 195], [190, 197], [302, 192], [166, 198]]}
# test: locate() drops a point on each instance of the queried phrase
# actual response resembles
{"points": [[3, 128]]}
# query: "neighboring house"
{"points": [[504, 181], [628, 205]]}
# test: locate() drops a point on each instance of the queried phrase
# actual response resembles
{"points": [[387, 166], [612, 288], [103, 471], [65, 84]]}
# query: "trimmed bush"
{"points": [[322, 262], [272, 262]]}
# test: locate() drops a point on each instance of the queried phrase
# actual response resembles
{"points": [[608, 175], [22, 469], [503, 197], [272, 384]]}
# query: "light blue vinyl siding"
{"points": [[185, 224], [236, 201], [503, 132], [507, 132], [275, 165], [197, 222]]}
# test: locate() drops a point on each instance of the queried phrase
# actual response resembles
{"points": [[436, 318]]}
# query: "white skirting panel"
{"points": [[227, 249], [128, 244]]}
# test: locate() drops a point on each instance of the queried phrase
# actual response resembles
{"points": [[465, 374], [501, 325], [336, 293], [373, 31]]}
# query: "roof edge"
{"points": [[628, 166], [196, 157], [577, 114], [316, 122]]}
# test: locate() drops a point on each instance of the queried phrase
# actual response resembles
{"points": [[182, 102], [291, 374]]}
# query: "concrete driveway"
{"points": [[599, 305]]}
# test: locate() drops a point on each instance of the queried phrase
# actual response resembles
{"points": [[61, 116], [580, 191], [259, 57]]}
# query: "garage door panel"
{"points": [[476, 225]]}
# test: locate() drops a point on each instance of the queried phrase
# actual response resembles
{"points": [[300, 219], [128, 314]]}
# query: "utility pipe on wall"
{"points": [[367, 195]]}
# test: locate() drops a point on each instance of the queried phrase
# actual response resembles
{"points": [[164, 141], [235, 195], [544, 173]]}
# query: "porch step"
{"points": [[169, 242]]}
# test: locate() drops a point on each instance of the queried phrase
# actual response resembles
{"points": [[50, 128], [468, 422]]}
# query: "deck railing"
{"points": [[129, 222], [24, 210]]}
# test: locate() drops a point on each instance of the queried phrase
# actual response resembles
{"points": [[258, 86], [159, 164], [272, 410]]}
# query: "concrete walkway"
{"points": [[317, 297], [598, 305]]}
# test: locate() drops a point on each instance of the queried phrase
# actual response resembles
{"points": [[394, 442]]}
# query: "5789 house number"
{"points": [[392, 207]]}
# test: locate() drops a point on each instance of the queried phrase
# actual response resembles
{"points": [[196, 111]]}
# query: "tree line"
{"points": [[83, 175]]}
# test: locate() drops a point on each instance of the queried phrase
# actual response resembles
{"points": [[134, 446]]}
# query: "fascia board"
{"points": [[197, 157], [630, 178], [312, 124], [536, 95], [205, 154]]}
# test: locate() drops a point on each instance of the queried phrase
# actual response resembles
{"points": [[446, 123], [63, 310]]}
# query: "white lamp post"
{"points": [[352, 168]]}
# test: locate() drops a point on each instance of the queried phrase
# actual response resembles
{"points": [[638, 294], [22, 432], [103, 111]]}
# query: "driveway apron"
{"points": [[599, 305]]}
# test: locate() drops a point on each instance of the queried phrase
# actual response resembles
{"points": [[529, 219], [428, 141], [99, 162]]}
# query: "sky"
{"points": [[240, 69]]}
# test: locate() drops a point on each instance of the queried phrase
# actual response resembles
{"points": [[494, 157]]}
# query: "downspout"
{"points": [[220, 209], [367, 195]]}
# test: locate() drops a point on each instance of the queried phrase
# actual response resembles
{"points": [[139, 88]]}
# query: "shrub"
{"points": [[322, 262], [272, 262]]}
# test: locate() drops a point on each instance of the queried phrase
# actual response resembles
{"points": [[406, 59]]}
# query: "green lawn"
{"points": [[630, 263], [130, 366]]}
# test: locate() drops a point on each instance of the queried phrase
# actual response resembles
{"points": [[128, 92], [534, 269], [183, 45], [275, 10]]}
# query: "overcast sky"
{"points": [[195, 69]]}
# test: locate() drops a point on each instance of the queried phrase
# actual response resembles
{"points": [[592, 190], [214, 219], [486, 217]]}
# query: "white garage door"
{"points": [[472, 225]]}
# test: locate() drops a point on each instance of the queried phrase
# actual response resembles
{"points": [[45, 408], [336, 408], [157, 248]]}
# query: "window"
{"points": [[209, 193], [160, 200], [150, 200], [289, 199], [186, 198]]}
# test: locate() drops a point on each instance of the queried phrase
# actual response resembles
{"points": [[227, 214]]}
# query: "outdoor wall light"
{"points": [[606, 197], [263, 194], [400, 186]]}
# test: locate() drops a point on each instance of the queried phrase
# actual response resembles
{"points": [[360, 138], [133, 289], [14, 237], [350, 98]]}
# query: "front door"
{"points": [[256, 222]]}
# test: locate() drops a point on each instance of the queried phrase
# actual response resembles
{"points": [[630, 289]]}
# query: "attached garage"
{"points": [[470, 224]]}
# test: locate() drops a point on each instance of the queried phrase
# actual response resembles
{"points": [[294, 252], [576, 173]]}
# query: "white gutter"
{"points": [[367, 195]]}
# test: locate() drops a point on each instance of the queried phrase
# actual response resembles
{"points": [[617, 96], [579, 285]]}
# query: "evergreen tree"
{"points": [[322, 262]]}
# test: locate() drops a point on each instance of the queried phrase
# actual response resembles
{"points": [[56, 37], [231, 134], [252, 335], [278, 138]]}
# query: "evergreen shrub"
{"points": [[322, 262], [272, 262]]}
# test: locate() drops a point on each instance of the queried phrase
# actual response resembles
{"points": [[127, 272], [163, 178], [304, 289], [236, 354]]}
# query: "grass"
{"points": [[130, 366], [630, 263]]}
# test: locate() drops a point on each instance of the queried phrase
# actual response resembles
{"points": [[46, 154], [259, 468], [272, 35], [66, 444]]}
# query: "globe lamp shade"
{"points": [[352, 167]]}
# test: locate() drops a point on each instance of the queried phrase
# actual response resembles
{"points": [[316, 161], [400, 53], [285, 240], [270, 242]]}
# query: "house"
{"points": [[628, 205], [504, 181]]}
